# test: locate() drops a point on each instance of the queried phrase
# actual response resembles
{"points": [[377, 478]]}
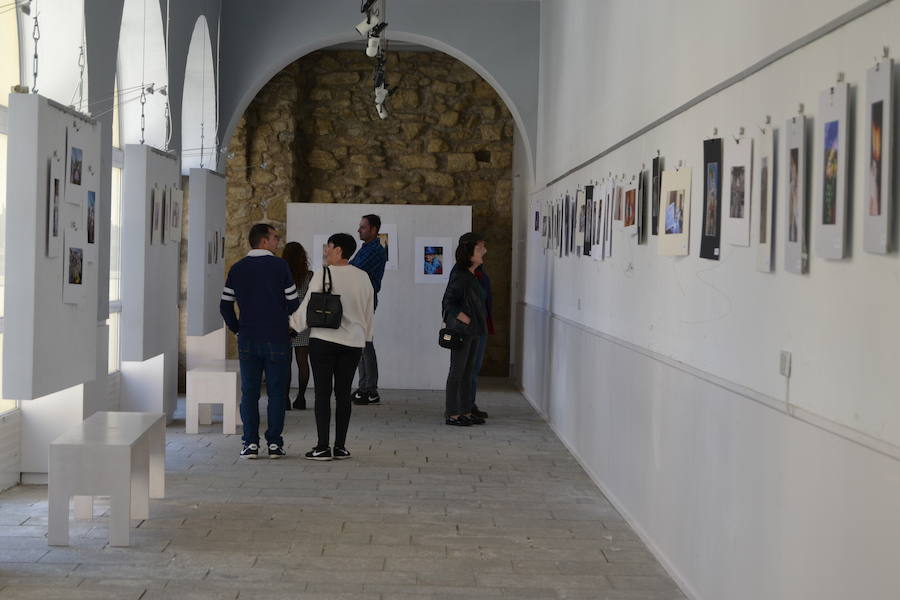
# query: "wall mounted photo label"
{"points": [[878, 158], [831, 221], [675, 213], [764, 205], [739, 176], [711, 231], [73, 267], [655, 183], [796, 250], [76, 165], [433, 259]]}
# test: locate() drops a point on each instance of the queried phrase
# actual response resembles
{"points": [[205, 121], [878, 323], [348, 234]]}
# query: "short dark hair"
{"points": [[374, 221], [345, 242], [258, 233], [466, 248]]}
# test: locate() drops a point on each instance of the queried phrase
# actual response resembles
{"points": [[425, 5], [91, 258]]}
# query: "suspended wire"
{"points": [[168, 111], [218, 64], [203, 98], [143, 65]]}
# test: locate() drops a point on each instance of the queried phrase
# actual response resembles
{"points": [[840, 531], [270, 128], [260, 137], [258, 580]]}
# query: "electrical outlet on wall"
{"points": [[785, 363]]}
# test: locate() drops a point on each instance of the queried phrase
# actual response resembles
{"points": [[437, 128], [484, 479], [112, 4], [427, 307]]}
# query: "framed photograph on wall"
{"points": [[764, 206], [177, 207], [589, 219], [711, 227], [433, 258], [164, 216], [155, 208], [387, 235], [73, 266], [629, 207], [796, 249], [317, 252], [54, 207], [641, 210], [831, 173], [655, 183], [737, 196], [675, 213], [878, 156]]}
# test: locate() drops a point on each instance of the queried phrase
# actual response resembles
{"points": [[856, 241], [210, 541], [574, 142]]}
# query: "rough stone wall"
{"points": [[312, 135]]}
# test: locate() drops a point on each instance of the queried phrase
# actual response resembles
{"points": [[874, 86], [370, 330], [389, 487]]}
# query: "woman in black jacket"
{"points": [[464, 311]]}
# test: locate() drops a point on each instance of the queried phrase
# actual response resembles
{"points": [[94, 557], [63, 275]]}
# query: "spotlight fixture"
{"points": [[373, 46], [25, 7], [366, 6], [382, 111], [367, 24]]}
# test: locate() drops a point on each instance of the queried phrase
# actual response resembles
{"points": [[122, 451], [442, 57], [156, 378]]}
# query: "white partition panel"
{"points": [[409, 313], [205, 264], [50, 338], [149, 257]]}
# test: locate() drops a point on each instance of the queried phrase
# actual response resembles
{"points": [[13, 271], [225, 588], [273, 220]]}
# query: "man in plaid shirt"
{"points": [[371, 258]]}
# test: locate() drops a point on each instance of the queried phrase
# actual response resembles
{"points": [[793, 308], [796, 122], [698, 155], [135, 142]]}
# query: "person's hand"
{"points": [[463, 318]]}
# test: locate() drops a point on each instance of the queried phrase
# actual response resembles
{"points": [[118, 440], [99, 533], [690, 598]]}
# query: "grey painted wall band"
{"points": [[834, 24]]}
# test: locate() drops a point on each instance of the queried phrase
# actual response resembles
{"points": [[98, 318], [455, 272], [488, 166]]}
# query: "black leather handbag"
{"points": [[324, 309], [449, 339]]}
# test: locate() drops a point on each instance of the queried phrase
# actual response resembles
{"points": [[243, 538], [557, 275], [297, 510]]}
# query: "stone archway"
{"points": [[312, 135]]}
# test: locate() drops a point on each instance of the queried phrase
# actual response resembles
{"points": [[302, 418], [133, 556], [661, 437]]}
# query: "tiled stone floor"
{"points": [[422, 511]]}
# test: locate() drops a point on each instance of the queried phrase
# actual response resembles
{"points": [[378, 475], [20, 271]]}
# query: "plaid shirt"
{"points": [[371, 258]]}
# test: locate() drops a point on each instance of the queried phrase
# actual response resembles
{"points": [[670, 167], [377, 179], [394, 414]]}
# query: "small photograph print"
{"points": [[763, 199], [655, 183], [55, 208], [829, 184], [91, 216], [434, 260], [76, 165], [76, 262], [675, 212], [710, 220], [875, 159], [164, 218], [630, 207], [384, 239], [617, 213], [738, 198], [537, 220], [794, 195]]}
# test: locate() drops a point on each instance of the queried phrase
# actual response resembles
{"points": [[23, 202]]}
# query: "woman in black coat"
{"points": [[464, 311]]}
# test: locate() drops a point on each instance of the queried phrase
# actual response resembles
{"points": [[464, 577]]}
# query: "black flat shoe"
{"points": [[479, 413], [300, 403], [475, 419], [460, 421]]}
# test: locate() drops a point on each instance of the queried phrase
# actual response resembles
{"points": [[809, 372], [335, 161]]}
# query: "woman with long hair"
{"points": [[295, 256]]}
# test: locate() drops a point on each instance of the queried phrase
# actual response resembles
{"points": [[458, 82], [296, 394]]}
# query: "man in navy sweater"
{"points": [[263, 287]]}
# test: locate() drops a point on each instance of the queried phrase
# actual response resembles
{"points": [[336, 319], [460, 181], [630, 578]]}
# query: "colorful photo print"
{"points": [[711, 218], [763, 199], [630, 207], [384, 239], [830, 183], [76, 261], [675, 212], [794, 195], [434, 260], [91, 217], [75, 166], [738, 195], [875, 159]]}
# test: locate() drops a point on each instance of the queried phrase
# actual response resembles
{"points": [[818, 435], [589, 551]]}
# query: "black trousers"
{"points": [[333, 367], [459, 379]]}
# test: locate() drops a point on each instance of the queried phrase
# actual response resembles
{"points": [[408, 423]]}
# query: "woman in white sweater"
{"points": [[334, 353]]}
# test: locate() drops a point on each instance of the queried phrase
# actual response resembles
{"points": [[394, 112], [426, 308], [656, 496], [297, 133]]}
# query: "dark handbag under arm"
{"points": [[324, 309]]}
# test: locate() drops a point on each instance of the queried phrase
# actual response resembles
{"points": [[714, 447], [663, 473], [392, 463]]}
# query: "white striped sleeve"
{"points": [[291, 292], [227, 294]]}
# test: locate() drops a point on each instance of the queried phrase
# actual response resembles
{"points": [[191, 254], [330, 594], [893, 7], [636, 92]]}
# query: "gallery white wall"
{"points": [[150, 273], [409, 314], [662, 374]]}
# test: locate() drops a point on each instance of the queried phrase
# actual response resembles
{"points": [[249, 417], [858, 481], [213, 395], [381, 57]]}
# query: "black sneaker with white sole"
{"points": [[250, 451], [359, 397], [341, 453], [318, 454], [373, 398], [276, 451]]}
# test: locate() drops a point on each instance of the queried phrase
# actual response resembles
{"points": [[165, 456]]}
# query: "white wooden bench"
{"points": [[117, 454], [213, 382]]}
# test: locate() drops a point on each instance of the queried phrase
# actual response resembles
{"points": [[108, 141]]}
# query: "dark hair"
{"points": [[374, 221], [345, 242], [466, 248], [295, 255], [258, 233]]}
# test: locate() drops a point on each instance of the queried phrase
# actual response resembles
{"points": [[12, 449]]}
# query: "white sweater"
{"points": [[357, 303]]}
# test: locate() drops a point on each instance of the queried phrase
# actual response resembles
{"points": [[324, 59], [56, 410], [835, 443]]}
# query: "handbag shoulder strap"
{"points": [[327, 282]]}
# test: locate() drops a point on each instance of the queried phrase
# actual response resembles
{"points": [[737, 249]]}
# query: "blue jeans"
{"points": [[479, 361], [273, 359]]}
